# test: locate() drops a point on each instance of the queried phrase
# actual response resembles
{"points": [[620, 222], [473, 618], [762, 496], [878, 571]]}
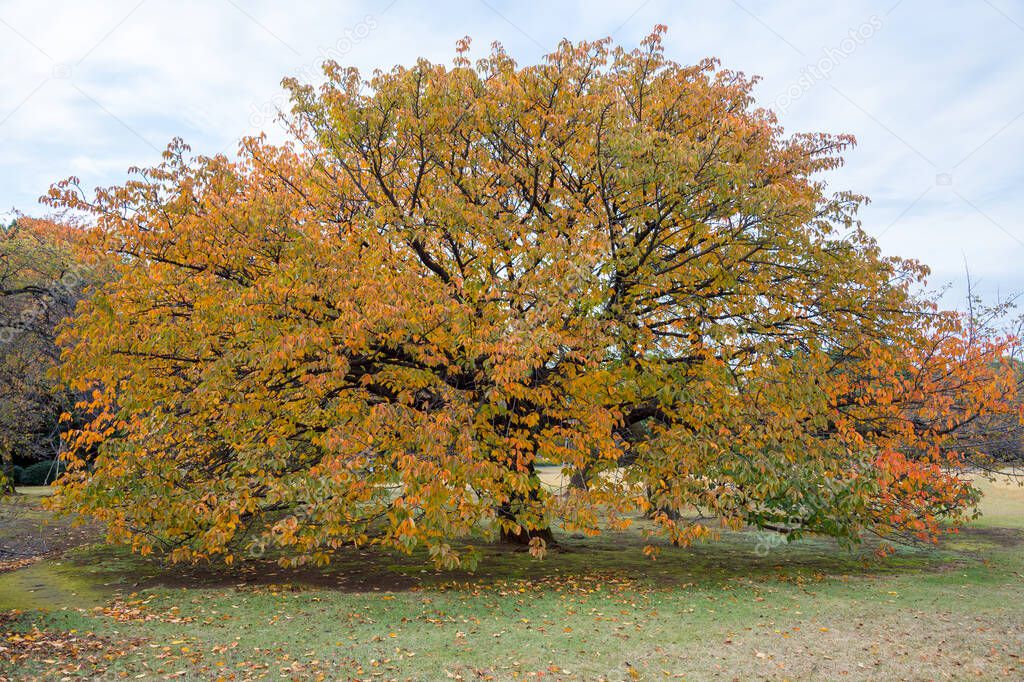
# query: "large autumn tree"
{"points": [[607, 261]]}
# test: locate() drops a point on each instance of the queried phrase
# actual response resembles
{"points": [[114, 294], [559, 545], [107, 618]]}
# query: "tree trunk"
{"points": [[523, 536], [578, 480], [6, 473], [655, 509]]}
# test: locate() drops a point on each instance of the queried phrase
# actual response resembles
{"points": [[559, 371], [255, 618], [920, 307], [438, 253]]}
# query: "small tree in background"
{"points": [[606, 260], [42, 277]]}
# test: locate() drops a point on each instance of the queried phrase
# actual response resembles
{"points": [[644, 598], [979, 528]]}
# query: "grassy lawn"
{"points": [[739, 608]]}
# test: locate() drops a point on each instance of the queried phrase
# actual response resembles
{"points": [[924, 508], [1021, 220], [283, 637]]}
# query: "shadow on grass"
{"points": [[89, 567], [735, 556]]}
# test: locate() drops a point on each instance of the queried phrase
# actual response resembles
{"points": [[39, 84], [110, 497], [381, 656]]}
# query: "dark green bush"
{"points": [[16, 473], [41, 473]]}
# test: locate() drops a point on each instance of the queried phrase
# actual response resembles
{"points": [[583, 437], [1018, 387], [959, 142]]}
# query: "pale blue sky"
{"points": [[933, 91]]}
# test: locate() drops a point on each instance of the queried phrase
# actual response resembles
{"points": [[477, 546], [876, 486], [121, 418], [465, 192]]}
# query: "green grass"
{"points": [[34, 490], [807, 610]]}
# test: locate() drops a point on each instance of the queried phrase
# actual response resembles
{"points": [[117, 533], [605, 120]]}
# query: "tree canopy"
{"points": [[606, 261]]}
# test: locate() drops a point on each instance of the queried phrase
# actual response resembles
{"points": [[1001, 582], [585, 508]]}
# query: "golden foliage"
{"points": [[607, 261]]}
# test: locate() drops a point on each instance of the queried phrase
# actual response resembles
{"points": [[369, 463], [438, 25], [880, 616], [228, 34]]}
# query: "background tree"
{"points": [[606, 260], [41, 280], [994, 442]]}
